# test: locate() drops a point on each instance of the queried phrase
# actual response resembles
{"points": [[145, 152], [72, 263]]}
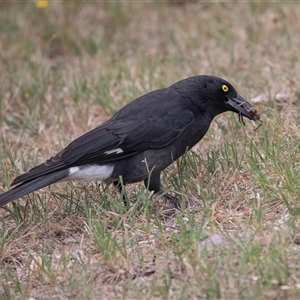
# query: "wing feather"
{"points": [[131, 135]]}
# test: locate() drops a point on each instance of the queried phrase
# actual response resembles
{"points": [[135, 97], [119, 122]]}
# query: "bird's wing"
{"points": [[115, 140]]}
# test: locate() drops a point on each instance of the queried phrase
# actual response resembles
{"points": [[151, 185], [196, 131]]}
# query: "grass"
{"points": [[67, 68]]}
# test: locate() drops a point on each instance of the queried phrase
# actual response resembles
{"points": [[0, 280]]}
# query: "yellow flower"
{"points": [[41, 3]]}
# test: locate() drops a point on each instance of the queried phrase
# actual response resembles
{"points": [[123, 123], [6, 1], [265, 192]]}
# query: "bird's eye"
{"points": [[225, 88]]}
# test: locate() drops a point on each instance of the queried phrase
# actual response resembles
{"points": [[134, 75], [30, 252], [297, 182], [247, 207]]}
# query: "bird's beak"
{"points": [[239, 105]]}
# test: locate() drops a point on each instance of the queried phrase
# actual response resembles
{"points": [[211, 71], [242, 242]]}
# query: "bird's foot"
{"points": [[122, 191], [175, 203]]}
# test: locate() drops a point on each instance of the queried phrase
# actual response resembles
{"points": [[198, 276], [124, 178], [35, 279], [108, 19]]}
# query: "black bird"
{"points": [[141, 139]]}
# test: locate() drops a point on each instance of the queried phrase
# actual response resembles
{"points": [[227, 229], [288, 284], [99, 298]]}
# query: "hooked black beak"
{"points": [[239, 105]]}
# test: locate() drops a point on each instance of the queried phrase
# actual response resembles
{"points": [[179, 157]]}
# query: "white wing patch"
{"points": [[116, 151], [90, 172]]}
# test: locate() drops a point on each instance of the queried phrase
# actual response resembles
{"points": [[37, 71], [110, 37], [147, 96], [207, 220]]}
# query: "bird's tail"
{"points": [[31, 186]]}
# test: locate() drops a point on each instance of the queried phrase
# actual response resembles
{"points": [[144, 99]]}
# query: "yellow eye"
{"points": [[225, 88]]}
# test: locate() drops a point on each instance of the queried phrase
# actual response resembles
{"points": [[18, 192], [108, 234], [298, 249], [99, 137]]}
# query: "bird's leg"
{"points": [[121, 187], [152, 183]]}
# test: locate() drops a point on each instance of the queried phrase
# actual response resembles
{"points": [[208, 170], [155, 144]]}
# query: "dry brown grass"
{"points": [[67, 68]]}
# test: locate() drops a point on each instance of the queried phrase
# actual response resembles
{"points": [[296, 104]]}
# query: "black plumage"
{"points": [[149, 133]]}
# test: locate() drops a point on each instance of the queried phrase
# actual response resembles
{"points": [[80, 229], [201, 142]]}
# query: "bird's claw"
{"points": [[175, 203]]}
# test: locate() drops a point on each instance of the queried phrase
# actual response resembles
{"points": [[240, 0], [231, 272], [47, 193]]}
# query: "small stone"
{"points": [[282, 97], [260, 98], [211, 242]]}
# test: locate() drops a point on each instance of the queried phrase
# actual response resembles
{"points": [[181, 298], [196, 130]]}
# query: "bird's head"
{"points": [[222, 96]]}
